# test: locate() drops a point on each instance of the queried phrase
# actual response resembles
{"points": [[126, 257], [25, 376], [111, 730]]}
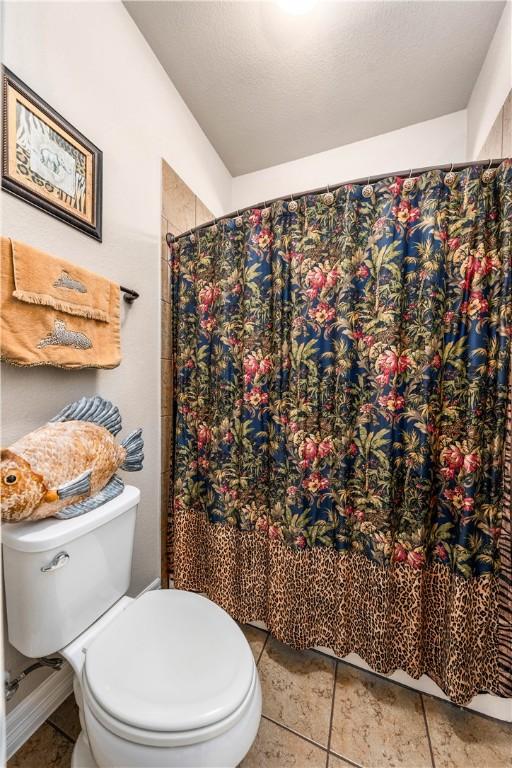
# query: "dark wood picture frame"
{"points": [[81, 209]]}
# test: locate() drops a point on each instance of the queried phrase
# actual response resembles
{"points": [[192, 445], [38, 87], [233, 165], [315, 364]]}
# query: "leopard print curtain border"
{"points": [[427, 621]]}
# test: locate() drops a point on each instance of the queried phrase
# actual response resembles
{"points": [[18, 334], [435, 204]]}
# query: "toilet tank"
{"points": [[62, 575]]}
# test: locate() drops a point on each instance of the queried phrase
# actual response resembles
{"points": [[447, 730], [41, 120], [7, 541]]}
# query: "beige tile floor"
{"points": [[319, 713]]}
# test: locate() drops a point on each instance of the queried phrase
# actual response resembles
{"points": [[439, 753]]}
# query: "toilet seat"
{"points": [[171, 669], [171, 738]]}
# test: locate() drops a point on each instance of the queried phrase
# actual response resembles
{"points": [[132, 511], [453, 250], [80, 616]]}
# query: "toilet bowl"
{"points": [[166, 679], [171, 681]]}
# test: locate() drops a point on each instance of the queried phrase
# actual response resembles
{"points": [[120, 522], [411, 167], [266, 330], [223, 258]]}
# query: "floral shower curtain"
{"points": [[343, 416]]}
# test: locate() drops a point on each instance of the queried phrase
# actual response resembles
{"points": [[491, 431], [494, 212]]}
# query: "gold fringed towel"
{"points": [[55, 313], [52, 282]]}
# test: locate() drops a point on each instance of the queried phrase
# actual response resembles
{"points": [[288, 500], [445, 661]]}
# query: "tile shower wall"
{"points": [[181, 210], [499, 141]]}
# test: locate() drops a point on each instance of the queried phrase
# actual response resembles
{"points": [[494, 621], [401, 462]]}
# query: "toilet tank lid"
{"points": [[42, 535]]}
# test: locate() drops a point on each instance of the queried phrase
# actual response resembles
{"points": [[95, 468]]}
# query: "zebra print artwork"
{"points": [[46, 161], [49, 161]]}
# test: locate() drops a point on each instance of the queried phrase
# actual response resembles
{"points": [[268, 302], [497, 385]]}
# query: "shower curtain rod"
{"points": [[170, 238]]}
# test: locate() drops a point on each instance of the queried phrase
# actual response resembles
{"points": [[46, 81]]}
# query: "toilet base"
{"points": [[225, 750], [82, 756]]}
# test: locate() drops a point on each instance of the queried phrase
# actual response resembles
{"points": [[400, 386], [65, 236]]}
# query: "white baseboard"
{"points": [[27, 716], [36, 707]]}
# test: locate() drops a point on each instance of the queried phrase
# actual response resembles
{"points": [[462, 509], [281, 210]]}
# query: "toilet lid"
{"points": [[172, 661]]}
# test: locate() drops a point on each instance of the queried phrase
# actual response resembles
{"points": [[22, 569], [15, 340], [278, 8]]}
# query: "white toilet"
{"points": [[167, 679]]}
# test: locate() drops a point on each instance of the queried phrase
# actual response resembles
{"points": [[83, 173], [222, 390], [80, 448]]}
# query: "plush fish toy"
{"points": [[66, 467]]}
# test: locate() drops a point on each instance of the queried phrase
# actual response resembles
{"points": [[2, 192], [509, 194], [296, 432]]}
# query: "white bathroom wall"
{"points": [[433, 142], [455, 137], [492, 86], [91, 63]]}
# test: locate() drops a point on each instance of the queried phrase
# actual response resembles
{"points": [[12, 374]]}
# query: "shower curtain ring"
{"points": [[488, 174], [292, 205], [367, 189], [328, 196], [409, 182], [238, 220], [450, 177]]}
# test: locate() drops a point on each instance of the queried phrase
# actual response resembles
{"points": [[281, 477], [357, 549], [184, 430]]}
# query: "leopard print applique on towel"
{"points": [[61, 337], [66, 281]]}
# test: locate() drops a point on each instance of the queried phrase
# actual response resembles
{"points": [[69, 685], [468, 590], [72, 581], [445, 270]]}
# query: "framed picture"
{"points": [[46, 161]]}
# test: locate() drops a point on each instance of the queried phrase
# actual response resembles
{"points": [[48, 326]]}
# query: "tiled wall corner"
{"points": [[181, 210], [165, 386], [202, 213], [178, 201], [499, 141], [507, 127]]}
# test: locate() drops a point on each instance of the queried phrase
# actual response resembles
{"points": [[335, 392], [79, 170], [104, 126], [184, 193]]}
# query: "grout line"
{"points": [[331, 751], [59, 730], [384, 677], [296, 733], [428, 732], [263, 647], [332, 711], [347, 760], [460, 708]]}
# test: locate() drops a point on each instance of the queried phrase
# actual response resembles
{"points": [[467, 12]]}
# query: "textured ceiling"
{"points": [[268, 87]]}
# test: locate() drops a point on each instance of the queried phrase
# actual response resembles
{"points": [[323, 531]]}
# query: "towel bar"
{"points": [[129, 295]]}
